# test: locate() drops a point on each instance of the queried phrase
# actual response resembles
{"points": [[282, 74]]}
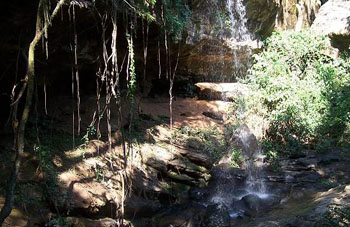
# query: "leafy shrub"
{"points": [[59, 222], [236, 158], [300, 90], [210, 140], [336, 216]]}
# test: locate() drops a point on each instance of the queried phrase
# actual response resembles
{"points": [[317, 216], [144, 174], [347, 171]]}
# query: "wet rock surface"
{"points": [[82, 222], [217, 215], [295, 190], [222, 36], [252, 202]]}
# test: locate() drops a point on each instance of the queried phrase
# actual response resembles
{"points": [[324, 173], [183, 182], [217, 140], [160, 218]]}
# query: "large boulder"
{"points": [[221, 91], [244, 141], [253, 203], [333, 20]]}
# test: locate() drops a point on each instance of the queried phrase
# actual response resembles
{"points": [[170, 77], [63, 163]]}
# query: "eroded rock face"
{"points": [[93, 187], [220, 44], [215, 60], [266, 16], [333, 20], [223, 35]]}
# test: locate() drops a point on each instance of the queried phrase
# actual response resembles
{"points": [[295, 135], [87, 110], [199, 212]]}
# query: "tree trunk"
{"points": [[29, 82]]}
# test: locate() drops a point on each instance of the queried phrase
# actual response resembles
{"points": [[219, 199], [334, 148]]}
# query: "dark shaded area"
{"points": [[18, 27], [17, 23], [342, 42]]}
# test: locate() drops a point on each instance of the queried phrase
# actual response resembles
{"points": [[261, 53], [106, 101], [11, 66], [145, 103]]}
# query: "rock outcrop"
{"points": [[221, 91], [223, 35], [94, 186], [266, 16], [215, 60], [333, 20], [244, 141], [219, 42]]}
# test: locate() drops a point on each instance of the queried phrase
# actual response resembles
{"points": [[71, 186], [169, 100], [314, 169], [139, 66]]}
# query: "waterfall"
{"points": [[254, 160], [223, 43], [238, 18], [232, 187], [255, 182], [241, 40], [241, 36]]}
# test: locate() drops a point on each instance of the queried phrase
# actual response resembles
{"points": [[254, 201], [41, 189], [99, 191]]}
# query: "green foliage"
{"points": [[99, 176], [272, 156], [50, 184], [132, 72], [90, 132], [338, 215], [302, 92], [209, 140], [236, 158], [45, 159], [144, 9], [60, 222], [176, 14]]}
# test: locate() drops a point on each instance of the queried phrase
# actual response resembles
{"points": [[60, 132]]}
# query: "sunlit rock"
{"points": [[333, 20], [221, 91]]}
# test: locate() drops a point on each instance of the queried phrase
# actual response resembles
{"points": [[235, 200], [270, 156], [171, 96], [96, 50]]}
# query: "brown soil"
{"points": [[186, 111]]}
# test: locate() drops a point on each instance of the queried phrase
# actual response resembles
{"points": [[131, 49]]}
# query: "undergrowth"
{"points": [[302, 92], [337, 215], [209, 140]]}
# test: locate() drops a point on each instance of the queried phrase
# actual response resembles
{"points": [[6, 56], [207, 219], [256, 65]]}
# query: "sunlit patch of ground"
{"points": [[186, 111], [16, 218]]}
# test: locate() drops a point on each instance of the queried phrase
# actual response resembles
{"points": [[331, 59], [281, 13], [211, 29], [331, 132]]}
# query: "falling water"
{"points": [[229, 187], [254, 160], [238, 18], [240, 39], [255, 181], [223, 26]]}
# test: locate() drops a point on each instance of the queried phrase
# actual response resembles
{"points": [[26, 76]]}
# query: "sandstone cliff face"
{"points": [[266, 16], [222, 35], [226, 19], [333, 20]]}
